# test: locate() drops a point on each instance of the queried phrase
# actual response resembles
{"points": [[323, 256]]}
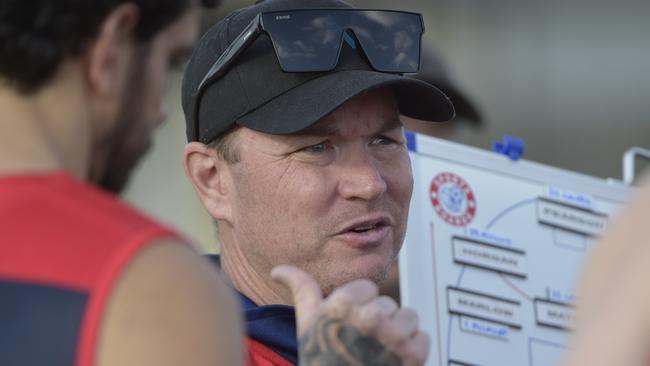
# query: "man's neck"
{"points": [[257, 286], [44, 131]]}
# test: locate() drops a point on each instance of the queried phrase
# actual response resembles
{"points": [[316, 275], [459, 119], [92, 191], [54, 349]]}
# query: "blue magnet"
{"points": [[411, 144], [512, 147]]}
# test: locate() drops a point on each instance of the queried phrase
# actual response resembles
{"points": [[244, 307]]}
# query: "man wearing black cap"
{"points": [[297, 150]]}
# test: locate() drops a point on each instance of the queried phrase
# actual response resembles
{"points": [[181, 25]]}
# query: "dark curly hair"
{"points": [[36, 35]]}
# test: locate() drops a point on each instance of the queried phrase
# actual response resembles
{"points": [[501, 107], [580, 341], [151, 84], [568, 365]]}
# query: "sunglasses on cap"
{"points": [[310, 40]]}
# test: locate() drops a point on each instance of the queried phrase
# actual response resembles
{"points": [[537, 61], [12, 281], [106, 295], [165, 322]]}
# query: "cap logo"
{"points": [[283, 17]]}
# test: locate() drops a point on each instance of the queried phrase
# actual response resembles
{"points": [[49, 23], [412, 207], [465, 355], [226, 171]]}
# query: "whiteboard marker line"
{"points": [[515, 288]]}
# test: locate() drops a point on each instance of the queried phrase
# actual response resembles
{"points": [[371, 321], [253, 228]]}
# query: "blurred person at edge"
{"points": [[84, 278], [612, 319], [434, 71], [309, 167]]}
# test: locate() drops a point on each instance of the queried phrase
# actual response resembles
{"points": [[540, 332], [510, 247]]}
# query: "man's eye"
{"points": [[316, 148], [383, 140], [321, 153]]}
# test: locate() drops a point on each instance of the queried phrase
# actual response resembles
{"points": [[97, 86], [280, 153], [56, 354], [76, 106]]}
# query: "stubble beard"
{"points": [[331, 281], [121, 161]]}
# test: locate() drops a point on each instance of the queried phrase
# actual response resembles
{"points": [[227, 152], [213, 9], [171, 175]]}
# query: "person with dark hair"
{"points": [[297, 150], [84, 278]]}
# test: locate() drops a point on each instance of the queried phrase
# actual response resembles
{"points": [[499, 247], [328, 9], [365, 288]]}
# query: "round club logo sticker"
{"points": [[453, 199]]}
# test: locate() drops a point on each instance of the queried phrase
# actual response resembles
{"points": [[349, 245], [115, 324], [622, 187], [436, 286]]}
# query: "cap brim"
{"points": [[307, 103], [464, 107]]}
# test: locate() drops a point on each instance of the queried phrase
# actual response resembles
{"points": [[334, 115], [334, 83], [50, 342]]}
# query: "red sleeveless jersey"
{"points": [[63, 244]]}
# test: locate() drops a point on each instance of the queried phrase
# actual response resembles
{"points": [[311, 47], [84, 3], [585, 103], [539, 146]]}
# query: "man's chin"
{"points": [[373, 269]]}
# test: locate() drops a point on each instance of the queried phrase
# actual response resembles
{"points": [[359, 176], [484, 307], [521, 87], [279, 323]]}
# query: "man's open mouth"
{"points": [[364, 228]]}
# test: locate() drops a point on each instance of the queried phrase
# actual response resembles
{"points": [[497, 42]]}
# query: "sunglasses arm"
{"points": [[223, 63]]}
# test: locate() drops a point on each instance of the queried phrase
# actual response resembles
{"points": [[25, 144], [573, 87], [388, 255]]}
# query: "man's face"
{"points": [[332, 199], [143, 107]]}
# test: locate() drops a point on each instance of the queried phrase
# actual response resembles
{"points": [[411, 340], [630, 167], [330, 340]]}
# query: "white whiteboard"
{"points": [[492, 251]]}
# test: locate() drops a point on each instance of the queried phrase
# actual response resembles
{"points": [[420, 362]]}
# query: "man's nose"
{"points": [[361, 178]]}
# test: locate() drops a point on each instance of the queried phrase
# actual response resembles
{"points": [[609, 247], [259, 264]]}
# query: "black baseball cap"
{"points": [[434, 70], [257, 94]]}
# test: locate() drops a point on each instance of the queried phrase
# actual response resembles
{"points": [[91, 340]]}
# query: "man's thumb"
{"points": [[305, 291]]}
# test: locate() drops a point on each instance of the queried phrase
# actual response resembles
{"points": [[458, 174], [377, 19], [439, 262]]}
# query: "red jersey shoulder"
{"points": [[54, 221]]}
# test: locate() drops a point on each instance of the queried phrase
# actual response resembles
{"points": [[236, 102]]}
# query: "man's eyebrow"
{"points": [[322, 130]]}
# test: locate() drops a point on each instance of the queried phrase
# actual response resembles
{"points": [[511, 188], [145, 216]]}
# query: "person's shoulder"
{"points": [[60, 195], [612, 291], [170, 307]]}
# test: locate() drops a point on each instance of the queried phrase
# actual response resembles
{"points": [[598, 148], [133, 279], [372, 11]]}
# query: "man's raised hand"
{"points": [[353, 326]]}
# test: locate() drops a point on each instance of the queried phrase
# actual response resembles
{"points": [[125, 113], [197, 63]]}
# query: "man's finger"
{"points": [[415, 351], [344, 298], [400, 328], [305, 291], [372, 314], [408, 319]]}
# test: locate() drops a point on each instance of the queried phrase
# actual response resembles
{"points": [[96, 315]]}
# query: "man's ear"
{"points": [[110, 52], [211, 178]]}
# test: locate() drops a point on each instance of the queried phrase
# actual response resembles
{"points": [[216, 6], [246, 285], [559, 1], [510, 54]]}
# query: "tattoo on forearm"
{"points": [[332, 342]]}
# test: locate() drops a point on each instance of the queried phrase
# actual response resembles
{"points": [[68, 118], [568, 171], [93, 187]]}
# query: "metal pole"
{"points": [[629, 157]]}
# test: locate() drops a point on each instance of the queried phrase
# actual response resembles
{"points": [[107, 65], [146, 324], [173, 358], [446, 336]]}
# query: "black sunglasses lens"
{"points": [[391, 40], [305, 40], [310, 40]]}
